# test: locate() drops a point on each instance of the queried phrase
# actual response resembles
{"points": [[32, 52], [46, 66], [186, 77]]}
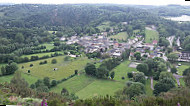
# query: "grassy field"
{"points": [[41, 54], [85, 86], [103, 26], [120, 36], [183, 67], [30, 79], [49, 46], [121, 71], [151, 35], [64, 68]]}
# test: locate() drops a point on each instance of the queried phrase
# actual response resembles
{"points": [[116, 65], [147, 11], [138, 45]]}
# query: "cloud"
{"points": [[138, 2]]}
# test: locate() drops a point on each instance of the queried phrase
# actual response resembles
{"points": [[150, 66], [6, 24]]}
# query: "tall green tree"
{"points": [[143, 68], [134, 89], [46, 81], [139, 77], [90, 69], [102, 72], [112, 75], [19, 38]]}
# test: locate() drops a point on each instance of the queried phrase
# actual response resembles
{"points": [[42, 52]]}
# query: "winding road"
{"points": [[177, 78]]}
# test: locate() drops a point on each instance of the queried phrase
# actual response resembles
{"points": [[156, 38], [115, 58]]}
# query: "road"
{"points": [[152, 85], [171, 39], [178, 41], [177, 78]]}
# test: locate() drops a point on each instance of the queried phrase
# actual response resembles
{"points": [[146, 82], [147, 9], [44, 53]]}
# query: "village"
{"points": [[104, 44]]}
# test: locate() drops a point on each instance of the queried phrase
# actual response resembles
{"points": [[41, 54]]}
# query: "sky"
{"points": [[137, 2]]}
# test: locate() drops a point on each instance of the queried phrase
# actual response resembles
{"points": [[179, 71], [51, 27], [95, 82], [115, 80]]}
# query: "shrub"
{"points": [[76, 72], [122, 78], [130, 75], [54, 61], [31, 65], [53, 83]]}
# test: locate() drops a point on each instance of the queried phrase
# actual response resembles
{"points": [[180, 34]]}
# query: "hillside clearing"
{"points": [[151, 35], [63, 68], [86, 86], [120, 36]]}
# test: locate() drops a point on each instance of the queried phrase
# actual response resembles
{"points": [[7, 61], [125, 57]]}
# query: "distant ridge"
{"points": [[6, 3]]}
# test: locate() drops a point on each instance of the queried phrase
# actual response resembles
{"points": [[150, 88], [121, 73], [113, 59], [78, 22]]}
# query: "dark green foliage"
{"points": [[64, 92], [112, 75], [173, 70], [100, 101], [186, 71], [44, 62], [90, 69], [53, 83], [111, 63], [122, 78], [19, 38], [55, 102], [28, 71], [53, 61], [125, 54], [32, 86], [46, 82], [31, 65], [102, 72], [42, 88], [93, 55], [57, 43], [139, 77], [9, 69], [172, 57], [3, 70], [163, 42], [134, 89], [143, 68], [163, 85], [137, 55], [130, 74], [76, 72]]}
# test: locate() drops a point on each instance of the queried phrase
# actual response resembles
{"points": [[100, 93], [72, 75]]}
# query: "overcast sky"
{"points": [[138, 2]]}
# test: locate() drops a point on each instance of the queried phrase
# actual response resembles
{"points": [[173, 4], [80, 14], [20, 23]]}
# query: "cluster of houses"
{"points": [[149, 49], [184, 56], [100, 43]]}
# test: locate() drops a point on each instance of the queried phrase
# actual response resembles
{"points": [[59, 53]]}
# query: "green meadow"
{"points": [[120, 36], [64, 68], [151, 35], [86, 86], [103, 26], [49, 46], [41, 54], [29, 78]]}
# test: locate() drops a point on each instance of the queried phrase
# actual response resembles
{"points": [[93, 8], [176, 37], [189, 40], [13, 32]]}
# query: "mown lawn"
{"points": [[64, 68], [120, 36], [151, 35]]}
